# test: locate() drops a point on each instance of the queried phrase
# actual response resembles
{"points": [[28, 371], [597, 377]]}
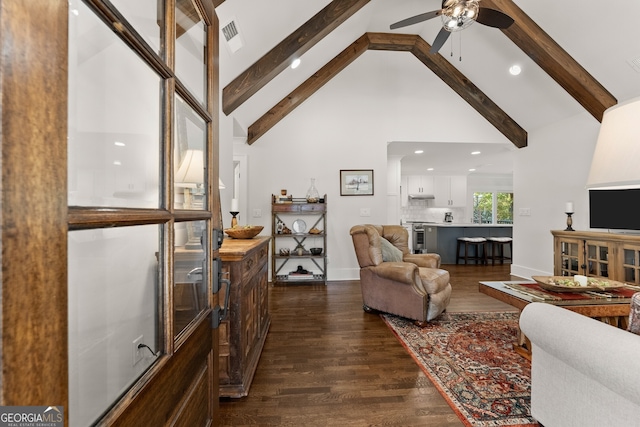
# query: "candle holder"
{"points": [[234, 220], [569, 222]]}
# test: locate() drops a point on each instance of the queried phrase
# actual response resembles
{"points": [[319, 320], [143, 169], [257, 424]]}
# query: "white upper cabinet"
{"points": [[419, 184], [450, 191]]}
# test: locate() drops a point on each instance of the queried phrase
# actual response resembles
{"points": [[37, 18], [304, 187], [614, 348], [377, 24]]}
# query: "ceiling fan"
{"points": [[457, 15]]}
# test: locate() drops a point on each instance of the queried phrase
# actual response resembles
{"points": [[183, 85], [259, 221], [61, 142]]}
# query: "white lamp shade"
{"points": [[615, 160], [191, 170]]}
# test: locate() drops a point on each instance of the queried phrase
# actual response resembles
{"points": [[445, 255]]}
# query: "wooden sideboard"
{"points": [[612, 255], [243, 333]]}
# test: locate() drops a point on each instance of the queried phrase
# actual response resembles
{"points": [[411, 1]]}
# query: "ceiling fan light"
{"points": [[459, 15], [449, 23], [471, 10]]}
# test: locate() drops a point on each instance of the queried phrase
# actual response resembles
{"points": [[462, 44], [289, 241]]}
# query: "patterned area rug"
{"points": [[470, 359]]}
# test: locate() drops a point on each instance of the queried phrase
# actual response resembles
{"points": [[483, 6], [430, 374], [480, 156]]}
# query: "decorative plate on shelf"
{"points": [[299, 226], [568, 284]]}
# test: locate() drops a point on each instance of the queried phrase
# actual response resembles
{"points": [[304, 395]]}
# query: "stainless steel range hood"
{"points": [[421, 196]]}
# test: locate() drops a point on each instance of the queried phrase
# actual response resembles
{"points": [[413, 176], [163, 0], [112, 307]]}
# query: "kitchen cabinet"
{"points": [[404, 193], [447, 237], [450, 191], [419, 184], [597, 254]]}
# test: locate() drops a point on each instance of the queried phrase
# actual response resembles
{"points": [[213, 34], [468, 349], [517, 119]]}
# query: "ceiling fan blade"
{"points": [[494, 18], [415, 19], [442, 37]]}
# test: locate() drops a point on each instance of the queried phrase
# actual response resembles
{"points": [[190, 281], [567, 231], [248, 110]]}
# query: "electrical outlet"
{"points": [[257, 213], [137, 352], [524, 211], [365, 212]]}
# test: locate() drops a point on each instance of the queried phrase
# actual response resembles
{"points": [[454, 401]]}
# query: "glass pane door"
{"points": [[631, 265], [570, 258], [113, 315], [597, 259], [114, 119]]}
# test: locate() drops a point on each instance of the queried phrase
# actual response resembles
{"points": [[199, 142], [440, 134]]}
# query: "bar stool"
{"points": [[479, 245], [497, 245]]}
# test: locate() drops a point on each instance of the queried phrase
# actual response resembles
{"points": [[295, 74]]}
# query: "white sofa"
{"points": [[583, 372]]}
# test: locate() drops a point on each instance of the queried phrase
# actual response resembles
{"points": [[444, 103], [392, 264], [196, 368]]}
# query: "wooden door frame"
{"points": [[33, 83], [33, 163]]}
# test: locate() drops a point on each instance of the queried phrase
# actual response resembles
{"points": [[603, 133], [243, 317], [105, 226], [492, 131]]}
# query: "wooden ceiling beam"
{"points": [[470, 93], [400, 43], [277, 59], [554, 60], [306, 89], [392, 41]]}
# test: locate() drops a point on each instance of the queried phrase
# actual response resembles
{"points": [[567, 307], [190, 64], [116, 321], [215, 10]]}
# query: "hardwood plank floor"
{"points": [[328, 363]]}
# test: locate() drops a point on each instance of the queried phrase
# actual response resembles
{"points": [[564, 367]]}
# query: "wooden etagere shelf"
{"points": [[296, 227]]}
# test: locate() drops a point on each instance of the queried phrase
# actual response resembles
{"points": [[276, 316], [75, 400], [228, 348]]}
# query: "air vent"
{"points": [[231, 33], [635, 64]]}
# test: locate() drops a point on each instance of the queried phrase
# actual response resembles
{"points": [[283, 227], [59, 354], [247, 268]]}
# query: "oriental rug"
{"points": [[470, 359]]}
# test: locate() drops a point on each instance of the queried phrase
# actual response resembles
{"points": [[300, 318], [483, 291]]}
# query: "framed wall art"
{"points": [[356, 182]]}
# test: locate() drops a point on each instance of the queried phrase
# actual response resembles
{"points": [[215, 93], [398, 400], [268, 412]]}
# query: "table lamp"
{"points": [[190, 176]]}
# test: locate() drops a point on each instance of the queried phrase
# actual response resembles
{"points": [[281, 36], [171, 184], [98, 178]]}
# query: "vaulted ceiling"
{"points": [[576, 56]]}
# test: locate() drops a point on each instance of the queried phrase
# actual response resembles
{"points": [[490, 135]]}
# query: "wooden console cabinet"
{"points": [[597, 254], [243, 333]]}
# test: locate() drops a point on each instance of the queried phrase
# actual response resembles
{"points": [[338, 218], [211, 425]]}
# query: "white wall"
{"points": [[289, 156], [347, 124], [551, 171]]}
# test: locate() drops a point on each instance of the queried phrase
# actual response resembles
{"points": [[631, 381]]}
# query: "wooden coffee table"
{"points": [[610, 307]]}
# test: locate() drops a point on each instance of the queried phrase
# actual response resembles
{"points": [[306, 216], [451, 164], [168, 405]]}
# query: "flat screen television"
{"points": [[615, 209]]}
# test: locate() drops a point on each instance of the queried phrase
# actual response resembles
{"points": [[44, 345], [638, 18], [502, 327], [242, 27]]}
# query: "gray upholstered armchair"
{"points": [[395, 281]]}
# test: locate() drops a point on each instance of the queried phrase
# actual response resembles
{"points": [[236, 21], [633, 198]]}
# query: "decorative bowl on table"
{"points": [[316, 251], [244, 231], [569, 284]]}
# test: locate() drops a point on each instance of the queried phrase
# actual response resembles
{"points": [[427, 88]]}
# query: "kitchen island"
{"points": [[442, 238]]}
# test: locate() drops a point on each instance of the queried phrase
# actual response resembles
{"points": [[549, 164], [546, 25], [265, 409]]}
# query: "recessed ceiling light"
{"points": [[472, 170], [515, 70], [475, 153], [419, 151], [295, 63], [429, 169], [119, 144], [117, 162]]}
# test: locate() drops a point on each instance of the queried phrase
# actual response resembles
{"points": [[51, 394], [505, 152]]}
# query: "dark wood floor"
{"points": [[328, 363]]}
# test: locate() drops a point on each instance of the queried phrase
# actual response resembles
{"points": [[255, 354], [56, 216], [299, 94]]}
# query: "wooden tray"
{"points": [[244, 232], [548, 283]]}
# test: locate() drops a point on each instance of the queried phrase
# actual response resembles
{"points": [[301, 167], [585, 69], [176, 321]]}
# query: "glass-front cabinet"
{"points": [[143, 215], [631, 263], [597, 254], [597, 258], [569, 253]]}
